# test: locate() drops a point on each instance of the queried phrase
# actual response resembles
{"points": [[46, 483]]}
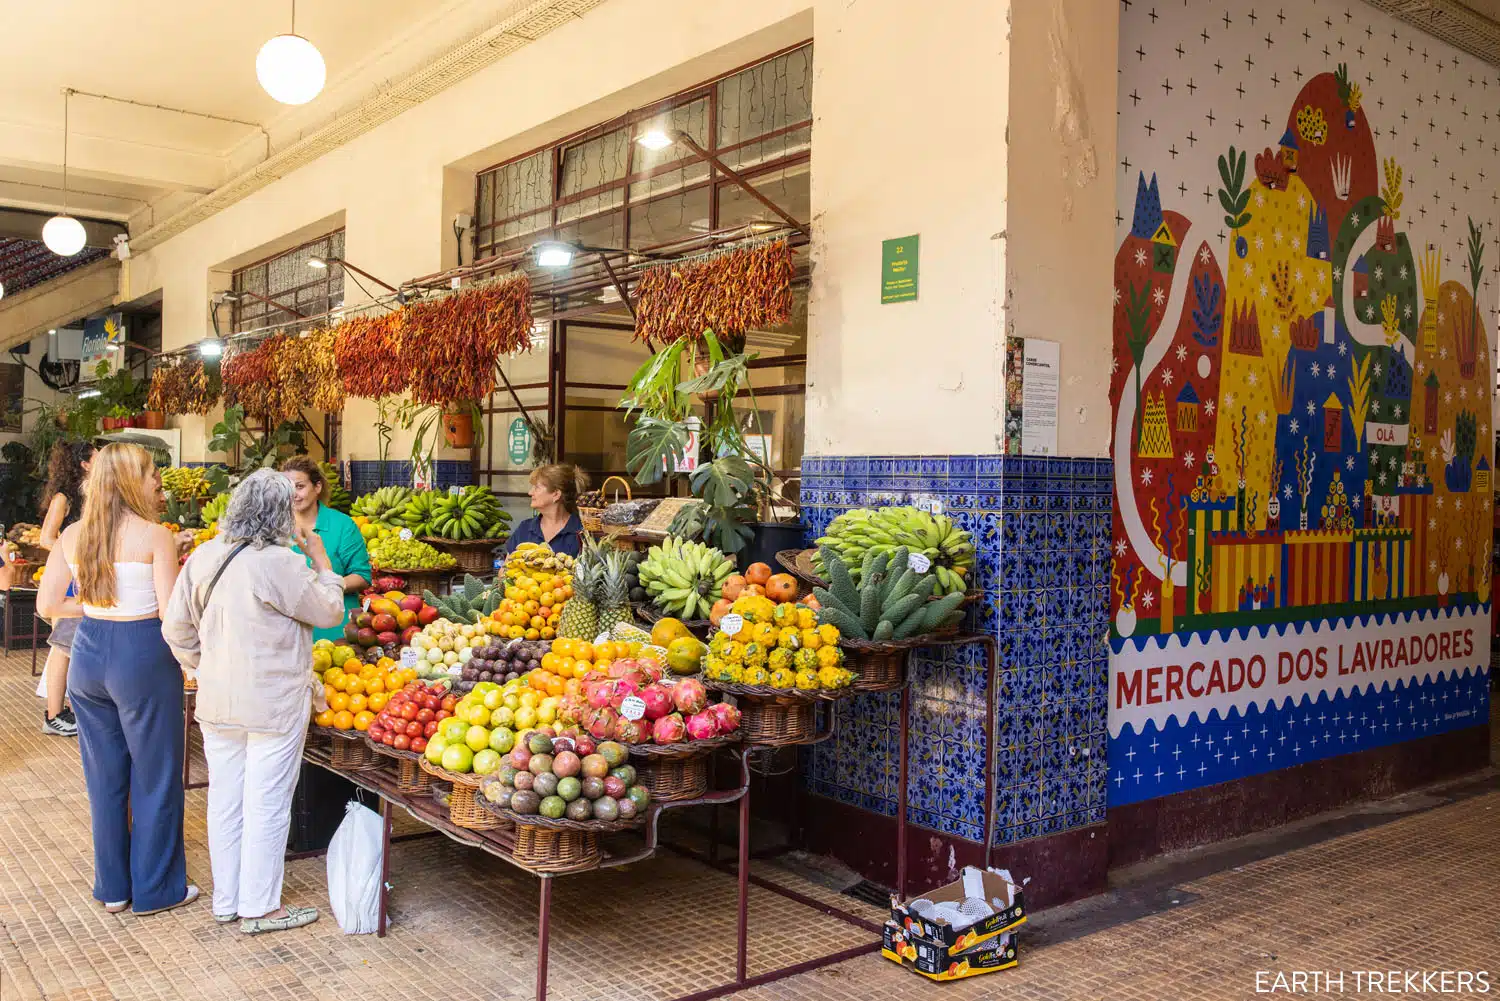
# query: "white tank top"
{"points": [[135, 593]]}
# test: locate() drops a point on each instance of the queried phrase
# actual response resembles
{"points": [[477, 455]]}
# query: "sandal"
{"points": [[188, 898], [296, 917], [116, 907], [225, 919]]}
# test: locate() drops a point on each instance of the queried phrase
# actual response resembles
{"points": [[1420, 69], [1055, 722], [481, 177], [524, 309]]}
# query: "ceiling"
{"points": [[136, 163], [24, 263]]}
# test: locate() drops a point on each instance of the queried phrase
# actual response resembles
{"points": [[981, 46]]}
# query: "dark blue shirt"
{"points": [[565, 541]]}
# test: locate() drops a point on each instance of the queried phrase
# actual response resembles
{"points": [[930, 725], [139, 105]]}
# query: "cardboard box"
{"points": [[995, 883], [936, 962]]}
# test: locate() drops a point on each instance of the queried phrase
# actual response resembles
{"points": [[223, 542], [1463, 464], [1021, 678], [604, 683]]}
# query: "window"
{"points": [[603, 189], [283, 288]]}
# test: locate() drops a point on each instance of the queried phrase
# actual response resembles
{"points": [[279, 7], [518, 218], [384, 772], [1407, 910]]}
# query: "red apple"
{"points": [[425, 716], [401, 743], [449, 701], [427, 615], [414, 729], [441, 715], [419, 744], [409, 711], [389, 739], [429, 728]]}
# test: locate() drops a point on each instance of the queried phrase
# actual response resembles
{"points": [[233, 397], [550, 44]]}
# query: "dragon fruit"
{"points": [[689, 696], [726, 715], [602, 726], [622, 667], [599, 693], [632, 731], [652, 669], [669, 729], [658, 701], [702, 726]]}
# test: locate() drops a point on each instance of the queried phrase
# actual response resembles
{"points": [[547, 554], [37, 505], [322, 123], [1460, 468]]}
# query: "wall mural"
{"points": [[1304, 312]]}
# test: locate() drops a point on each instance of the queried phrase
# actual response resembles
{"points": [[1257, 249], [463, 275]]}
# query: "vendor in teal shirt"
{"points": [[340, 535]]}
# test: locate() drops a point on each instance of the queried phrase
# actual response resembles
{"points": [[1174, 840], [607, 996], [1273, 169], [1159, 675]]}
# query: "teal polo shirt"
{"points": [[347, 553]]}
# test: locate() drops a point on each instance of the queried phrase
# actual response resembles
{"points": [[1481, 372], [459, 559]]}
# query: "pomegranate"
{"points": [[689, 696], [726, 715], [702, 726], [669, 730], [658, 701]]}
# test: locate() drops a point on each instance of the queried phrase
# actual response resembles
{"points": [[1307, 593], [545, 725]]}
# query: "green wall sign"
{"points": [[898, 269], [519, 439]]}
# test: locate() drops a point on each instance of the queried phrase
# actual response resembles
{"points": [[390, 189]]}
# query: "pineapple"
{"points": [[613, 593], [580, 616]]}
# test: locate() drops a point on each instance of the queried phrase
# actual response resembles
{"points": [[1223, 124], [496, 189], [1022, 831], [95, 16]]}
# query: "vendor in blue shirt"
{"points": [[554, 496]]}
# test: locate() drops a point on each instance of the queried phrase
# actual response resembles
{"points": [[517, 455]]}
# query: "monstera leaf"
{"points": [[654, 446]]}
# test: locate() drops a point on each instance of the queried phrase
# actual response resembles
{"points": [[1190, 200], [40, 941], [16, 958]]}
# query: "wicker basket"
{"points": [[593, 517], [778, 724], [672, 779], [417, 581], [410, 778], [799, 563], [547, 849], [877, 670], [350, 751], [464, 809], [475, 556]]}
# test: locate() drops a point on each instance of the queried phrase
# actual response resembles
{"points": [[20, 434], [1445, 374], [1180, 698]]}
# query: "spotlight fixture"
{"points": [[553, 254], [89, 394], [317, 262], [2, 290], [291, 68], [656, 140], [63, 234], [210, 347]]}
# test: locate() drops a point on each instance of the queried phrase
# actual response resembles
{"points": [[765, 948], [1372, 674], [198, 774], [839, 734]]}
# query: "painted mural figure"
{"points": [[1301, 411]]}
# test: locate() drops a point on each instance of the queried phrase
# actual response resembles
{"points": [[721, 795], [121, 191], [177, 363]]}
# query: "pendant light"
{"points": [[63, 234], [290, 68]]}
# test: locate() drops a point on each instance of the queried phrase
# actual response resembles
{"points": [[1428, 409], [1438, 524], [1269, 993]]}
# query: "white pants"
{"points": [[251, 779]]}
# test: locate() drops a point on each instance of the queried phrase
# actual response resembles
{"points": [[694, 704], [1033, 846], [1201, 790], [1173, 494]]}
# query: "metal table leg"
{"points": [[744, 875], [34, 640], [901, 793], [385, 867], [543, 932]]}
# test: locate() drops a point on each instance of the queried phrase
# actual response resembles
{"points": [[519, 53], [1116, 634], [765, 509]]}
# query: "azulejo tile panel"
{"points": [[1041, 530]]}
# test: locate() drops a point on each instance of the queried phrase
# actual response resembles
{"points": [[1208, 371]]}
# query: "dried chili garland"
{"points": [[367, 354], [183, 386], [729, 293], [247, 380], [450, 345]]}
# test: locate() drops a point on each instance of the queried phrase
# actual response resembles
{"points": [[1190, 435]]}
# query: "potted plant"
{"points": [[736, 486], [462, 425]]}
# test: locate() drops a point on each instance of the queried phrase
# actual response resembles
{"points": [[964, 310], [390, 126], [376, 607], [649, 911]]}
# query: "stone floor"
{"points": [[1410, 886]]}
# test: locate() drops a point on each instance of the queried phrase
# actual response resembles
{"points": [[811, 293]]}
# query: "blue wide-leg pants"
{"points": [[126, 690]]}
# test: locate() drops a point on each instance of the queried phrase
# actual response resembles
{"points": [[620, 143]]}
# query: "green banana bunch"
{"points": [[684, 578], [893, 601], [334, 494], [214, 509], [856, 533], [417, 515], [384, 505], [467, 603], [468, 514]]}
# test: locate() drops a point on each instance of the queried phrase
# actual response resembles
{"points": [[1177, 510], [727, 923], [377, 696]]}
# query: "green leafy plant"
{"points": [[256, 451], [1233, 196], [737, 486], [120, 391], [428, 421]]}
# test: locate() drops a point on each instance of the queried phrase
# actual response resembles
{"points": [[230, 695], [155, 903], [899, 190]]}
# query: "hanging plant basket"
{"points": [[458, 429]]}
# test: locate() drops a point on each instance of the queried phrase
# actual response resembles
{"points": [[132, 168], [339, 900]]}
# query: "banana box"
{"points": [[935, 962], [994, 886]]}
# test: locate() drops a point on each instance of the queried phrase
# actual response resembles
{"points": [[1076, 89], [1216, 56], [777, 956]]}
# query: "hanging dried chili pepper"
{"points": [[730, 293]]}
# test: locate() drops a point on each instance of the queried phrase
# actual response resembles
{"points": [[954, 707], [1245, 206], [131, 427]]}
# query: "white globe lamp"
{"points": [[291, 69], [64, 235]]}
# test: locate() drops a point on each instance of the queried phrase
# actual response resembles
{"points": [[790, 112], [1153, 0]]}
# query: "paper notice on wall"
{"points": [[1032, 376]]}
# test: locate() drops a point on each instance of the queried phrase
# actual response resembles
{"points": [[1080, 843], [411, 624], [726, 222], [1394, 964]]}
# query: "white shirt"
{"points": [[252, 646]]}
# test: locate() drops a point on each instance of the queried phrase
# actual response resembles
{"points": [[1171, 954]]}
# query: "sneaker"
{"points": [[61, 725]]}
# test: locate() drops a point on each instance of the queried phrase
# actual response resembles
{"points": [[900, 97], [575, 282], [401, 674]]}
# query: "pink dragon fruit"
{"points": [[623, 689], [689, 696], [632, 731], [702, 726], [652, 669], [727, 716], [658, 701], [622, 667], [602, 726], [599, 693], [669, 729]]}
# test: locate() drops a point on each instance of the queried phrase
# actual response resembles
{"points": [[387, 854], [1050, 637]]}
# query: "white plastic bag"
{"points": [[354, 870]]}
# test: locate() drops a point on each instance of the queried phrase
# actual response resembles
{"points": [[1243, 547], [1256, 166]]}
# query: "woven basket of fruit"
{"points": [[685, 749], [349, 750], [463, 805], [476, 556], [799, 563], [671, 779], [778, 716], [410, 777], [417, 581], [592, 504], [546, 849]]}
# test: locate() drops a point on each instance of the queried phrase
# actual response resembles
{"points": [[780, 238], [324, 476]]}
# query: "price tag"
{"points": [[455, 282], [367, 603], [731, 624], [406, 535], [919, 562], [497, 563], [632, 707], [453, 490], [408, 657]]}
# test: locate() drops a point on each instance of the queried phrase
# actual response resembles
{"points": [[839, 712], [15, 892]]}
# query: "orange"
{"points": [[333, 676], [566, 665], [377, 701], [375, 685], [343, 720], [362, 720], [328, 691], [338, 702], [354, 686], [324, 718], [357, 703], [352, 665], [584, 650], [550, 660]]}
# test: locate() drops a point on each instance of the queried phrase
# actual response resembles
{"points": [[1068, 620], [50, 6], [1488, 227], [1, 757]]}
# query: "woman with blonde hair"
{"points": [[123, 682], [554, 497]]}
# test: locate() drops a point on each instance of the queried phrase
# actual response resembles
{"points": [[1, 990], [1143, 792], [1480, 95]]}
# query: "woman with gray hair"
{"points": [[241, 619]]}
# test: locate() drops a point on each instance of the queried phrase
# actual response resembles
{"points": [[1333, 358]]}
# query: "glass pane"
{"points": [[691, 118], [599, 226], [595, 439], [517, 233], [766, 98], [602, 356], [669, 219], [789, 188], [523, 186], [596, 162], [485, 210]]}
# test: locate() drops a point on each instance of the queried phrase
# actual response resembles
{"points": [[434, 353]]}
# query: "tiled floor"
{"points": [[1414, 893]]}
